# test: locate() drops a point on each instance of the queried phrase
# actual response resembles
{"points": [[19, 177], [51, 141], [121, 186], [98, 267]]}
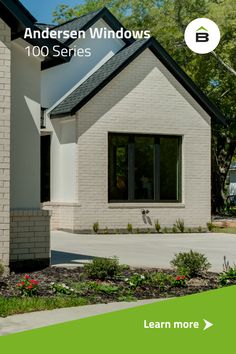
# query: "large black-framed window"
{"points": [[144, 168]]}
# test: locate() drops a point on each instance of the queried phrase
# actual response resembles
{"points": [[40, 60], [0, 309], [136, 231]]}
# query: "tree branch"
{"points": [[231, 70]]}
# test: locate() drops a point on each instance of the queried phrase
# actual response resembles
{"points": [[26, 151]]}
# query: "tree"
{"points": [[214, 73]]}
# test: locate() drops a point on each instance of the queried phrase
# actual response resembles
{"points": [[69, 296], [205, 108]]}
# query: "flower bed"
{"points": [[105, 280]]}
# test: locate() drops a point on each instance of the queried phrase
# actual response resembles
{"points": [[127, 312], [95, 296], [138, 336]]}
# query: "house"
{"points": [[92, 139], [129, 131], [24, 226]]}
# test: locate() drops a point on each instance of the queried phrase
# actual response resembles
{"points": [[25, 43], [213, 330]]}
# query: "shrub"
{"points": [[180, 281], [174, 229], [106, 231], [107, 289], [199, 229], [228, 276], [210, 226], [180, 225], [96, 227], [61, 288], [161, 280], [190, 263], [103, 268], [27, 286], [165, 230], [130, 228], [157, 226], [1, 269], [136, 280]]}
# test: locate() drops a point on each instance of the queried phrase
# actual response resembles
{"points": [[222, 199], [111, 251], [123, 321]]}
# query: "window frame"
{"points": [[156, 169]]}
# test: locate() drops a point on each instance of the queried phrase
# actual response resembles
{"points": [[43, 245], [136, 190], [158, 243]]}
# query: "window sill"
{"points": [[145, 205]]}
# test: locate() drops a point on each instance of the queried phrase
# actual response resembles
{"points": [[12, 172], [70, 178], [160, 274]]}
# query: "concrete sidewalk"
{"points": [[153, 251], [33, 320]]}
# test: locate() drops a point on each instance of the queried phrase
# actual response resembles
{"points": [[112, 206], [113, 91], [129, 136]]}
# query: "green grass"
{"points": [[11, 306], [227, 230]]}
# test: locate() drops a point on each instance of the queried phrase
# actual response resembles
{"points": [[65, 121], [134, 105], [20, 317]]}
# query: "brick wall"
{"points": [[30, 242], [143, 98], [5, 61], [64, 215]]}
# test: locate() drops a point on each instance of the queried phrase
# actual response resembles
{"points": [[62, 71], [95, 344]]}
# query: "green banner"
{"points": [[201, 323]]}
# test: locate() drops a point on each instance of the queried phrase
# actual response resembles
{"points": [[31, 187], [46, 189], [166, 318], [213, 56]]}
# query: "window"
{"points": [[45, 168], [144, 168]]}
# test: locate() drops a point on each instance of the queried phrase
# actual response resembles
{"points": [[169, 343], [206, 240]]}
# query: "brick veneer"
{"points": [[29, 241], [143, 98], [5, 77]]}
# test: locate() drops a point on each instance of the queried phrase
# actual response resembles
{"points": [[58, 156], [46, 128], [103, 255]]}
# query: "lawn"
{"points": [[16, 305]]}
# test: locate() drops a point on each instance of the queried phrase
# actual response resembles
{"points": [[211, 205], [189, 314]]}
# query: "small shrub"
{"points": [[174, 229], [28, 287], [228, 277], [2, 269], [189, 230], [157, 226], [180, 225], [96, 227], [130, 228], [61, 288], [161, 280], [149, 230], [180, 281], [107, 289], [199, 229], [165, 230], [136, 280], [137, 231], [117, 231], [190, 263], [103, 268], [210, 226], [106, 231]]}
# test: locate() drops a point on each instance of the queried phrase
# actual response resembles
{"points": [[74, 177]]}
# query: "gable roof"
{"points": [[85, 22], [15, 15], [18, 18], [89, 88]]}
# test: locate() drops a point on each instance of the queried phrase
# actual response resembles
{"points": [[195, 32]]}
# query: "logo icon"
{"points": [[202, 35]]}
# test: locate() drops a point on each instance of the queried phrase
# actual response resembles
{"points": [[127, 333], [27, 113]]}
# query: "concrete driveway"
{"points": [[140, 250]]}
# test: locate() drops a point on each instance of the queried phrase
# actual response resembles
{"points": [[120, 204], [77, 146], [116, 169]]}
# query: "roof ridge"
{"points": [[79, 17]]}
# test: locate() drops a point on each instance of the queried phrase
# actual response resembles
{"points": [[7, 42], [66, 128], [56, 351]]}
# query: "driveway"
{"points": [[140, 250]]}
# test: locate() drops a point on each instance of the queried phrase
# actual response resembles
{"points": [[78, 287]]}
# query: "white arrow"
{"points": [[207, 325]]}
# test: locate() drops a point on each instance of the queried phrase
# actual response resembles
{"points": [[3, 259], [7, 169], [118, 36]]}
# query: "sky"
{"points": [[42, 10]]}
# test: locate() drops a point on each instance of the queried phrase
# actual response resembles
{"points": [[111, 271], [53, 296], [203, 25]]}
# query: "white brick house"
{"points": [[132, 133], [122, 132]]}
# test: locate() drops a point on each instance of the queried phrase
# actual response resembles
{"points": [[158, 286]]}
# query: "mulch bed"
{"points": [[69, 276]]}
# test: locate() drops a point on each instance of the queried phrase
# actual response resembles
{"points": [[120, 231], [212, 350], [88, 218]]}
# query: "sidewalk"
{"points": [[33, 320]]}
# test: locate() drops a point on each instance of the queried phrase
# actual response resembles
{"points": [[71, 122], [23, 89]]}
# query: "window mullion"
{"points": [[157, 164], [131, 168]]}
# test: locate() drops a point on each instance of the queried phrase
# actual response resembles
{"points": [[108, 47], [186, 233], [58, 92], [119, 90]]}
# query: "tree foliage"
{"points": [[214, 73]]}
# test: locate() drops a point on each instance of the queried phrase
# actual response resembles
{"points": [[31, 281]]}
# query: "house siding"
{"points": [[143, 98], [5, 72]]}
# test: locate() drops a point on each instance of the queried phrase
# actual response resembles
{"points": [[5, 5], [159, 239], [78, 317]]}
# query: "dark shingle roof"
{"points": [[71, 102], [77, 23], [43, 26], [84, 22], [89, 88]]}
